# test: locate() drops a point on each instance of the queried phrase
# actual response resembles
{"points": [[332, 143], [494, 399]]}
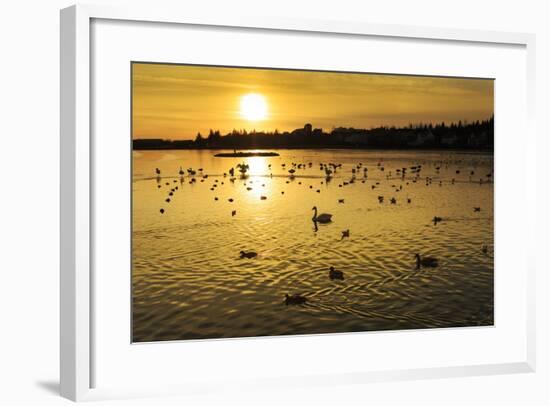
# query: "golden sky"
{"points": [[177, 101]]}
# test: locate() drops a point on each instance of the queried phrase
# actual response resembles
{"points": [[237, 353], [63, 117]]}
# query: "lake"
{"points": [[189, 281]]}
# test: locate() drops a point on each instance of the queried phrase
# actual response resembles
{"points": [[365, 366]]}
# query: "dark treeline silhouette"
{"points": [[477, 135]]}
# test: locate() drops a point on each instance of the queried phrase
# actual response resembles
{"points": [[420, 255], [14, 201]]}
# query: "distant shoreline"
{"points": [[356, 148]]}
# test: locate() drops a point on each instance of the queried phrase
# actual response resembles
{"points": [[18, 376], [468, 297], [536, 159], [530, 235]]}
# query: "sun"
{"points": [[253, 107]]}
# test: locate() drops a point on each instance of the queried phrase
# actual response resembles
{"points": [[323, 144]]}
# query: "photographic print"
{"points": [[269, 202]]}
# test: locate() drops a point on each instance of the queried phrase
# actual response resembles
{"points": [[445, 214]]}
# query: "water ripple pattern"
{"points": [[189, 282]]}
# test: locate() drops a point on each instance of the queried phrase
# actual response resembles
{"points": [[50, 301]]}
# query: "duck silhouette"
{"points": [[335, 274], [295, 299], [426, 262], [249, 254]]}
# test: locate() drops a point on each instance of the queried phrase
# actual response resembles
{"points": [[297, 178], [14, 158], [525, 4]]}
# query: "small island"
{"points": [[236, 154]]}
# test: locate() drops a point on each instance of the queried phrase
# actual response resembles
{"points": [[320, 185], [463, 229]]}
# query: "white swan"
{"points": [[321, 218]]}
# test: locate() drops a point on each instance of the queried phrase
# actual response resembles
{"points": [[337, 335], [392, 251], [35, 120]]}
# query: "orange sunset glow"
{"points": [[178, 101]]}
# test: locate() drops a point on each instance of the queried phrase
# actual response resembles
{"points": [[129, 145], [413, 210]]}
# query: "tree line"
{"points": [[475, 135]]}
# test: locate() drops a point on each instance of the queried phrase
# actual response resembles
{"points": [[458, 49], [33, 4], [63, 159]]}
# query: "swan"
{"points": [[425, 262], [249, 254], [321, 218], [334, 274], [295, 299]]}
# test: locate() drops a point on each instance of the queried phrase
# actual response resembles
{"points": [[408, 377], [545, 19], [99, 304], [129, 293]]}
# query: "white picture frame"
{"points": [[76, 281]]}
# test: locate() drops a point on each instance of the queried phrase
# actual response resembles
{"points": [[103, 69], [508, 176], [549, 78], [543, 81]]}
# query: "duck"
{"points": [[321, 218], [345, 234], [477, 208], [485, 249], [295, 299], [428, 262], [334, 274], [436, 220], [249, 254], [340, 200]]}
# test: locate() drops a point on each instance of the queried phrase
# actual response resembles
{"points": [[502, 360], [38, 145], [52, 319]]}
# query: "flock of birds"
{"points": [[329, 170]]}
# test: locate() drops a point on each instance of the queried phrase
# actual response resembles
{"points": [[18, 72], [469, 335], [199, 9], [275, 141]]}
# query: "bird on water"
{"points": [[295, 299], [426, 262], [249, 254], [335, 274], [322, 218]]}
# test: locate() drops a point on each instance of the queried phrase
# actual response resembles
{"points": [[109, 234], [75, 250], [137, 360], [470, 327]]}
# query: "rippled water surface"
{"points": [[189, 281]]}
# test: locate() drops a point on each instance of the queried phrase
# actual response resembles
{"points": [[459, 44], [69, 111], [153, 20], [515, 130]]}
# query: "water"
{"points": [[190, 283]]}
